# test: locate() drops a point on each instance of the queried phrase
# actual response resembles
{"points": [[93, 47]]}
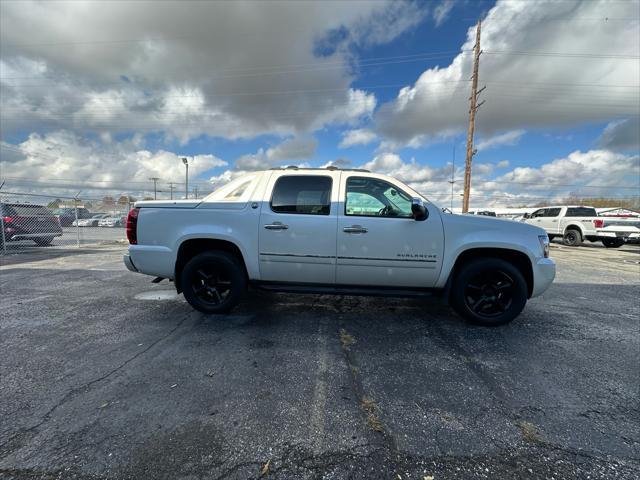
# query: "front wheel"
{"points": [[612, 242], [489, 292], [213, 282]]}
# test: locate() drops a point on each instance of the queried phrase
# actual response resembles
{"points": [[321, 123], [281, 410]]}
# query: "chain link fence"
{"points": [[32, 222]]}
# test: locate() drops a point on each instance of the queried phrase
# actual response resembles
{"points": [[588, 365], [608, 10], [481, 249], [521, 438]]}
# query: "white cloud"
{"points": [[442, 11], [502, 164], [67, 160], [527, 90], [291, 149], [361, 136], [218, 68], [510, 138], [594, 167]]}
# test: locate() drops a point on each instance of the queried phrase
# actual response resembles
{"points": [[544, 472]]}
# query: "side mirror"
{"points": [[526, 215], [418, 209]]}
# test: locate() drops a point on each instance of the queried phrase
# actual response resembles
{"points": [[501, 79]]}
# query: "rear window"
{"points": [[303, 194], [27, 210], [581, 212], [238, 190]]}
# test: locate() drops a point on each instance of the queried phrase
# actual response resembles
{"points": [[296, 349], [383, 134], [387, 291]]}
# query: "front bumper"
{"points": [[544, 271], [126, 258]]}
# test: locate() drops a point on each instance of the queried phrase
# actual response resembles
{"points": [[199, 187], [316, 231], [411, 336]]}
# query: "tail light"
{"points": [[7, 219], [598, 223], [132, 226]]}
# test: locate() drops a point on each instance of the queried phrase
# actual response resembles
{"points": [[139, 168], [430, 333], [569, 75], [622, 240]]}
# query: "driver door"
{"points": [[379, 242]]}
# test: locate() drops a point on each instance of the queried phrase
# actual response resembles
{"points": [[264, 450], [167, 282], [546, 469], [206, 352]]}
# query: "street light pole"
{"points": [[186, 182]]}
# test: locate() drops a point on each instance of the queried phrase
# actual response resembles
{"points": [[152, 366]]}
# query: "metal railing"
{"points": [[33, 222]]}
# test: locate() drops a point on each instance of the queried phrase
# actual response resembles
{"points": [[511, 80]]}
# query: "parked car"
{"points": [[90, 222], [337, 231], [578, 223], [67, 215], [112, 222], [23, 221]]}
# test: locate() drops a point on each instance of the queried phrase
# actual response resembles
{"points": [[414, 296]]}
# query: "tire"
{"points": [[43, 241], [612, 242], [489, 292], [572, 237], [213, 282]]}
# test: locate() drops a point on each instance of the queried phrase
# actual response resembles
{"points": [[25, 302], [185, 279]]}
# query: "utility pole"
{"points": [[472, 121], [155, 187], [172, 187], [453, 171]]}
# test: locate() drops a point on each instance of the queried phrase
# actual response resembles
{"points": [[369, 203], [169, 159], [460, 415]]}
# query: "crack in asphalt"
{"points": [[74, 391], [389, 442], [505, 406]]}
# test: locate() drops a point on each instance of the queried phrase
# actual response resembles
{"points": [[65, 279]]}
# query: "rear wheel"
{"points": [[213, 282], [572, 237], [43, 241], [489, 292], [612, 242]]}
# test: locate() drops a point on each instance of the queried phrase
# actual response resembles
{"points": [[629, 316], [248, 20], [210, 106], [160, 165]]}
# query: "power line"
{"points": [[311, 68], [561, 54]]}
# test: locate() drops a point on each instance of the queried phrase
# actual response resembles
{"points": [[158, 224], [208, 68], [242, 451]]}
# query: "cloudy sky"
{"points": [[101, 96]]}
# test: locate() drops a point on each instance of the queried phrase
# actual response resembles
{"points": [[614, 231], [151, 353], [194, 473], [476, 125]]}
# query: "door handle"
{"points": [[355, 229], [276, 226]]}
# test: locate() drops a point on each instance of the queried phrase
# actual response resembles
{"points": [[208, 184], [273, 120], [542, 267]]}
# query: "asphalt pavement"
{"points": [[104, 375]]}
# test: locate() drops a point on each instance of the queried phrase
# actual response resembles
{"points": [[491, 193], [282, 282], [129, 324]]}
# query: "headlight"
{"points": [[544, 244]]}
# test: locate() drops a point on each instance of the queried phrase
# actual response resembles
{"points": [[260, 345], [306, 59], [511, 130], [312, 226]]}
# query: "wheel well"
{"points": [[514, 257], [190, 248]]}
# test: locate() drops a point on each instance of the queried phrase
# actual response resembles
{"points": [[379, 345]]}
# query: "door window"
{"points": [[553, 212], [302, 194], [370, 197], [538, 213]]}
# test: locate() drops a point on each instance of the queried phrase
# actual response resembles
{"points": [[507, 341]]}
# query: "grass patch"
{"points": [[345, 339], [529, 431], [370, 409]]}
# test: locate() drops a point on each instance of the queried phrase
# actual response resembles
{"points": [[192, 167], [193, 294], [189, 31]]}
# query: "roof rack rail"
{"points": [[330, 167]]}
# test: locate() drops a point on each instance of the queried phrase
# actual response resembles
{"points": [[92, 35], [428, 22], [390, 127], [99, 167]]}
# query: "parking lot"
{"points": [[105, 375]]}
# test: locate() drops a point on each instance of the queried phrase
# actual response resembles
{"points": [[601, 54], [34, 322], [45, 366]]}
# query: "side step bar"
{"points": [[346, 290]]}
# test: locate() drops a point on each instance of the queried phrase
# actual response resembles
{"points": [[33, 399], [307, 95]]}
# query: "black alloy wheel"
{"points": [[489, 295], [489, 291], [612, 242], [572, 238], [213, 282]]}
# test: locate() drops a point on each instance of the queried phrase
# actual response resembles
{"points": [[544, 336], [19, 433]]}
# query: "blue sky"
{"points": [[260, 84]]}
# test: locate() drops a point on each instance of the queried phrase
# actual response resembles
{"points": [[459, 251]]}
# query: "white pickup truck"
{"points": [[577, 223], [336, 231]]}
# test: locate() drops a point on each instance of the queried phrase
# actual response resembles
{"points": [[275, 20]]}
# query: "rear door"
{"points": [[297, 229]]}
